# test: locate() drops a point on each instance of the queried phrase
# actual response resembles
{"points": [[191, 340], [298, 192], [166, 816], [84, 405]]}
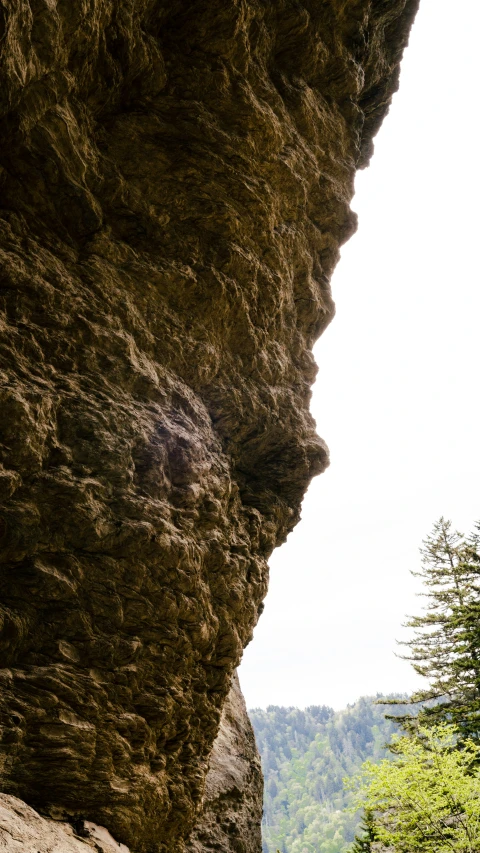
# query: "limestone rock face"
{"points": [[175, 180], [231, 811]]}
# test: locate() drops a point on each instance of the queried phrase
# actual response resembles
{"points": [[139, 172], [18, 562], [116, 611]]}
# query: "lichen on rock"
{"points": [[175, 185]]}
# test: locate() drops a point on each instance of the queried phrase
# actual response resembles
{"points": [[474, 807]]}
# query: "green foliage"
{"points": [[363, 843], [428, 799], [446, 644], [305, 755], [424, 794]]}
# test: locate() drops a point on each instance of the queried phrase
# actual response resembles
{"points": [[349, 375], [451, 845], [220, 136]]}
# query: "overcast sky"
{"points": [[397, 394]]}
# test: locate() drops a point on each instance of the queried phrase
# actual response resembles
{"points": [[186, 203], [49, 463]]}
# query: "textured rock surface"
{"points": [[175, 182], [23, 830], [233, 799]]}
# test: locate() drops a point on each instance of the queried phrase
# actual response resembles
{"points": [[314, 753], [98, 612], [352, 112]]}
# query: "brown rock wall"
{"points": [[175, 182]]}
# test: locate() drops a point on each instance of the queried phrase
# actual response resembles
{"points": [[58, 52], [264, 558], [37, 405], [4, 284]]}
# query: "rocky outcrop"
{"points": [[23, 830], [230, 813], [231, 810], [175, 184]]}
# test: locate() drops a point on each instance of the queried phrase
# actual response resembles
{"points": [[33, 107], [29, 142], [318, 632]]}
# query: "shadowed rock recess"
{"points": [[175, 183]]}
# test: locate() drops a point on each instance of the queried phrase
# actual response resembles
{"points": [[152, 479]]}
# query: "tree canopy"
{"points": [[428, 799], [305, 755], [423, 792]]}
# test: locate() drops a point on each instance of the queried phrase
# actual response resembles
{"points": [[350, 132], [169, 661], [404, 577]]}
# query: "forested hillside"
{"points": [[305, 756]]}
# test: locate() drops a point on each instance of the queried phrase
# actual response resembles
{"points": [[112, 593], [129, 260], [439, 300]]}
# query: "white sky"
{"points": [[397, 393]]}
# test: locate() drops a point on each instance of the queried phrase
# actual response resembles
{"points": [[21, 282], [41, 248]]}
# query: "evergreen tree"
{"points": [[445, 648], [363, 843]]}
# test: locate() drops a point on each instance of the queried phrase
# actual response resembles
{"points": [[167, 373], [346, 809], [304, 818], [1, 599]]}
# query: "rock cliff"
{"points": [[175, 182], [231, 809]]}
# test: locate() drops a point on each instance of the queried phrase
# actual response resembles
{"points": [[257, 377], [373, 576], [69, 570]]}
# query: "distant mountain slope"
{"points": [[305, 756]]}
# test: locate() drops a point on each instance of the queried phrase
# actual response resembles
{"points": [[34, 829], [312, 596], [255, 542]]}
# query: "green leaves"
{"points": [[428, 798], [305, 755], [425, 796]]}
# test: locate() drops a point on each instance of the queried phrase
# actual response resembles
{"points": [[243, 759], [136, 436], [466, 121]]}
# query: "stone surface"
{"points": [[23, 830], [175, 180], [231, 811]]}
